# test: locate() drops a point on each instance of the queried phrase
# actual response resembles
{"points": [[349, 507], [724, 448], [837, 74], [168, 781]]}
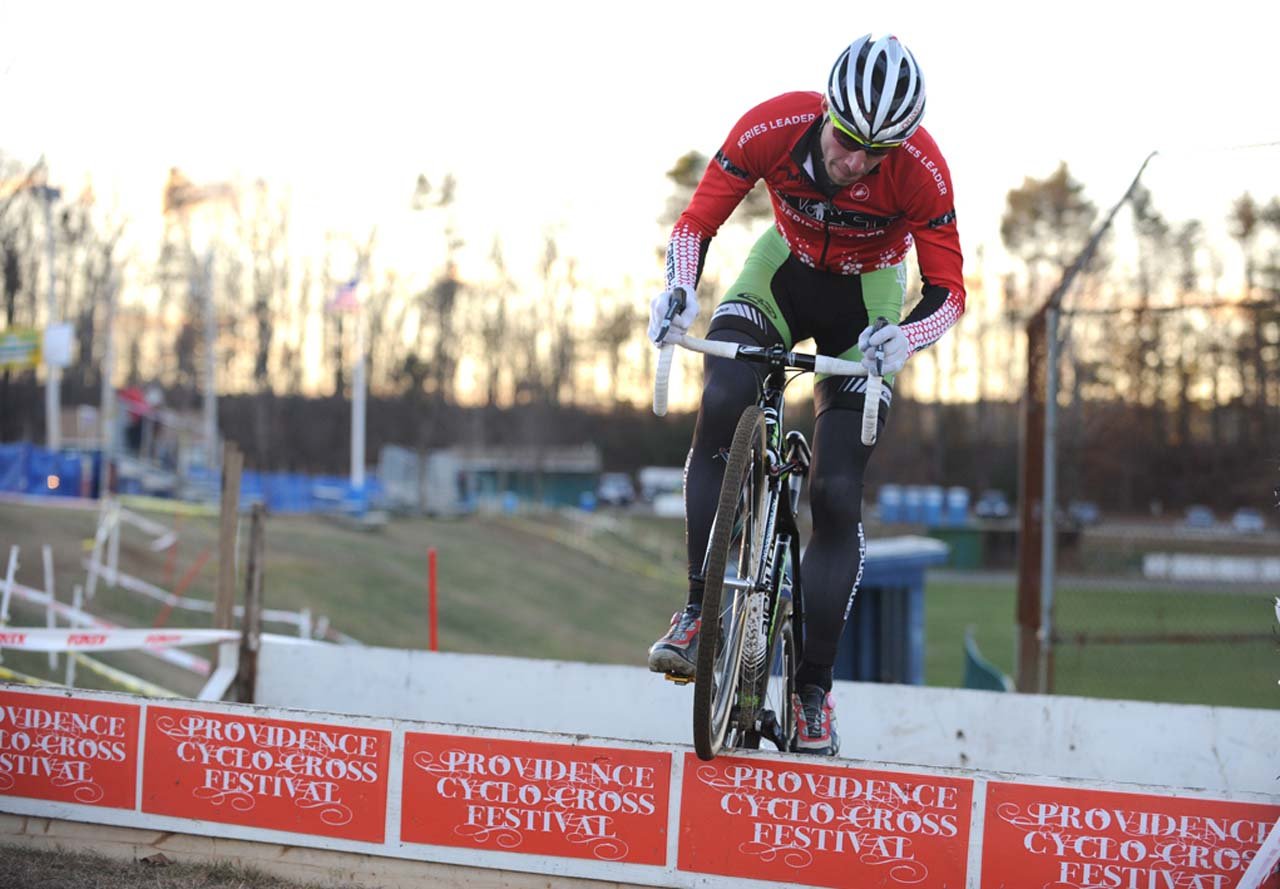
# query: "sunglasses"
{"points": [[849, 142]]}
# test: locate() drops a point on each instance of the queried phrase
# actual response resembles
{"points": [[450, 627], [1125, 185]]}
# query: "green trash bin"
{"points": [[965, 545]]}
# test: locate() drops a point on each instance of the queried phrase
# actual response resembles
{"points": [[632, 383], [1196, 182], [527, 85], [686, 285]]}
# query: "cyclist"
{"points": [[855, 181]]}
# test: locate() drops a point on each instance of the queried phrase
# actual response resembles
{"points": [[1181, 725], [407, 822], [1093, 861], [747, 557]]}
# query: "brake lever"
{"points": [[677, 306], [881, 323]]}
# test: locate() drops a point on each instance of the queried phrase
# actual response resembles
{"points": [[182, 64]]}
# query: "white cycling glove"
{"points": [[681, 322], [894, 342]]}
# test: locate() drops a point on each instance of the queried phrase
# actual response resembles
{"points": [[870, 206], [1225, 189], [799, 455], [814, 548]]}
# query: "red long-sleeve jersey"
{"points": [[869, 225]]}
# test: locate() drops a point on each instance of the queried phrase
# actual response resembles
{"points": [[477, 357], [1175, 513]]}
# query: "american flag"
{"points": [[346, 298]]}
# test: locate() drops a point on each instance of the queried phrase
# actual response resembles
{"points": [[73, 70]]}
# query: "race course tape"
{"points": [[15, 676], [42, 639], [125, 680], [75, 616], [165, 505]]}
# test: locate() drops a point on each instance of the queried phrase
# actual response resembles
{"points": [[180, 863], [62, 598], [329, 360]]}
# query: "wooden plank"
{"points": [[251, 626], [225, 599]]}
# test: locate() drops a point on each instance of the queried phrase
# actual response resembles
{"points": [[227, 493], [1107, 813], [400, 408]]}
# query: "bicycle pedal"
{"points": [[678, 680]]}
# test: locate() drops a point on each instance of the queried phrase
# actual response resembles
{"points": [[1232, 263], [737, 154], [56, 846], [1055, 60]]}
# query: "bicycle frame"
{"points": [[786, 459]]}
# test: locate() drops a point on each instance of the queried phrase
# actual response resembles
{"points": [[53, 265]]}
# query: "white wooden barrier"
{"points": [[583, 807], [1213, 748]]}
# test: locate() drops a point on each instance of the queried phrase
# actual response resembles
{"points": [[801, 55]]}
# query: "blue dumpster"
{"points": [[883, 639]]}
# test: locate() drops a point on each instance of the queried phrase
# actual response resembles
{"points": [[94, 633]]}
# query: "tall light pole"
{"points": [[53, 383], [349, 299]]}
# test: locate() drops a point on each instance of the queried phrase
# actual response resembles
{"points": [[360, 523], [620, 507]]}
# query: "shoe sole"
{"points": [[816, 751], [666, 661], [825, 750]]}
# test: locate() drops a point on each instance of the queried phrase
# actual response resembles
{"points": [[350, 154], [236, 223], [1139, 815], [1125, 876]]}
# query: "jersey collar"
{"points": [[807, 155]]}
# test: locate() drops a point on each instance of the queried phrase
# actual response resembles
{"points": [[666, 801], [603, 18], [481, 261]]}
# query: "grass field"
{"points": [[601, 589], [1239, 674]]}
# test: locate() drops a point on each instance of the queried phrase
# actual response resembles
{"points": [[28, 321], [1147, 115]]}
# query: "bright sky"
{"points": [[566, 115]]}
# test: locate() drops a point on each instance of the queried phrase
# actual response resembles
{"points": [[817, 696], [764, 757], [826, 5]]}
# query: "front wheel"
{"points": [[777, 720], [732, 564]]}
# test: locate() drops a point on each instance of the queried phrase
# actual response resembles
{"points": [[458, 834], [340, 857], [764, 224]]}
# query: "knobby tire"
{"points": [[745, 455]]}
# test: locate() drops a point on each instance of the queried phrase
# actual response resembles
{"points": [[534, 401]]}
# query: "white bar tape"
{"points": [[715, 348], [661, 379], [838, 367], [871, 410], [43, 639]]}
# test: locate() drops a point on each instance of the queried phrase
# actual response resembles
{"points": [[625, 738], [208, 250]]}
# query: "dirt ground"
{"points": [[22, 868]]}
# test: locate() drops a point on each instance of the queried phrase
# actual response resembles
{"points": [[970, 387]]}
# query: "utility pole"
{"points": [[1049, 497], [1037, 494]]}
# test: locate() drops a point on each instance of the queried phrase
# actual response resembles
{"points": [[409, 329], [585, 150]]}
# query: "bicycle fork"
{"points": [[765, 630]]}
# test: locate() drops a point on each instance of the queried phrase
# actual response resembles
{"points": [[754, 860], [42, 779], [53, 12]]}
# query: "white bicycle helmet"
{"points": [[876, 91]]}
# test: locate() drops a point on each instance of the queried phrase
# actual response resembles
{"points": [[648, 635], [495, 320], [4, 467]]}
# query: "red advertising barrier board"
{"points": [[1069, 838], [68, 750], [823, 825], [536, 798], [302, 777]]}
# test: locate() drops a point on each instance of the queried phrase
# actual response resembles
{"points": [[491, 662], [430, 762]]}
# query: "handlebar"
{"points": [[823, 364]]}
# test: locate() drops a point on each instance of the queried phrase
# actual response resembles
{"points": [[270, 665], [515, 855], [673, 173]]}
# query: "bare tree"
{"points": [[492, 327], [617, 327], [18, 267], [181, 271], [437, 331], [440, 302], [1243, 225], [1247, 223], [1046, 223], [291, 352], [687, 172], [268, 241], [384, 314]]}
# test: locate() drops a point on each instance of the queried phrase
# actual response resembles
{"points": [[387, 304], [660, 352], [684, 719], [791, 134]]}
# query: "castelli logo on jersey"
{"points": [[860, 192]]}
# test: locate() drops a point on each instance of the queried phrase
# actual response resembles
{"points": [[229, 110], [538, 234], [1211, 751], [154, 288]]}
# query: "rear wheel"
{"points": [[733, 561]]}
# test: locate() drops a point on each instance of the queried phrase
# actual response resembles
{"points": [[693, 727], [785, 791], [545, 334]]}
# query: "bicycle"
{"points": [[753, 597]]}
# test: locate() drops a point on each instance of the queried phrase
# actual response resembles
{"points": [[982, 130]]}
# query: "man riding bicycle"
{"points": [[855, 181]]}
